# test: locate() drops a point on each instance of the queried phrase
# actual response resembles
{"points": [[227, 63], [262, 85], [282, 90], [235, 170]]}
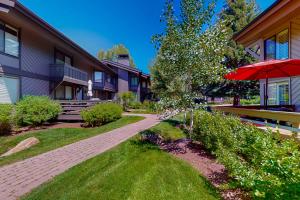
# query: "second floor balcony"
{"points": [[67, 73], [105, 85]]}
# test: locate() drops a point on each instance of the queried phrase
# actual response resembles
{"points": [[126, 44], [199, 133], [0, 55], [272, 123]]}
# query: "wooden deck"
{"points": [[292, 118]]}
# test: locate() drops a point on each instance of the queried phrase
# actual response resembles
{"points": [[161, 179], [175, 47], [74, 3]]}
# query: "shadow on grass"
{"points": [[147, 140]]}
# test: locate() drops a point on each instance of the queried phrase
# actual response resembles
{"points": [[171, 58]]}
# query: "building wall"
{"points": [[36, 53], [41, 87], [9, 61], [37, 49], [294, 30], [123, 78]]}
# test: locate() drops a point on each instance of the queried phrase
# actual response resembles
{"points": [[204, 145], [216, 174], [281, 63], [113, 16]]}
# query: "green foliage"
{"points": [[252, 101], [126, 99], [35, 110], [101, 114], [236, 15], [150, 106], [112, 54], [258, 161], [54, 138], [135, 105], [133, 171], [6, 118], [169, 130], [190, 53]]}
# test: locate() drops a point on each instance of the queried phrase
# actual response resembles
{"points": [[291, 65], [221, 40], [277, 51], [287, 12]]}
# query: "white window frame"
{"points": [[277, 84]]}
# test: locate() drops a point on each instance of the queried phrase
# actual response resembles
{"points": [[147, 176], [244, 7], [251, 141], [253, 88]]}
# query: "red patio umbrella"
{"points": [[266, 70]]}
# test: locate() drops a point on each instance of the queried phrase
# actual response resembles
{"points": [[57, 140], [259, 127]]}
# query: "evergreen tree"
{"points": [[236, 14], [112, 54]]}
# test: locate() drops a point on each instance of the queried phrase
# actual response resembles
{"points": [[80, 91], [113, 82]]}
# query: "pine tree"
{"points": [[236, 14]]}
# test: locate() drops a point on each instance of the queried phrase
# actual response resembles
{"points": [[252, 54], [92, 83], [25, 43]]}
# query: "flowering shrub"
{"points": [[258, 161]]}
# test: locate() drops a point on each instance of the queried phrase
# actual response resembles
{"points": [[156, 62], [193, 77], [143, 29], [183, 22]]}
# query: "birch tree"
{"points": [[190, 54]]}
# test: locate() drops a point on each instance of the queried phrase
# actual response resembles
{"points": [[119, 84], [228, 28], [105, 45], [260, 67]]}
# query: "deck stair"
{"points": [[71, 109]]}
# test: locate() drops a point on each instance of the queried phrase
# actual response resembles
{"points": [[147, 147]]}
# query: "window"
{"points": [[9, 40], [270, 48], [98, 77], [277, 47], [61, 58], [9, 89], [278, 93], [282, 51], [134, 81]]}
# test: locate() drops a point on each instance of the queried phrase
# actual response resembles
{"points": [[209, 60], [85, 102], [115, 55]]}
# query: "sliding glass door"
{"points": [[278, 93]]}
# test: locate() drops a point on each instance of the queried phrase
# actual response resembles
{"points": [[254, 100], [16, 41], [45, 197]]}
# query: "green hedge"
{"points": [[135, 105], [258, 161], [35, 110], [253, 101], [6, 118], [101, 114]]}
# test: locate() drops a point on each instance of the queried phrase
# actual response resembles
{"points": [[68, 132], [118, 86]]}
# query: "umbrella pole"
{"points": [[266, 95]]}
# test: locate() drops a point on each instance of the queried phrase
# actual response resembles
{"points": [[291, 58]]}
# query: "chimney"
{"points": [[123, 59]]}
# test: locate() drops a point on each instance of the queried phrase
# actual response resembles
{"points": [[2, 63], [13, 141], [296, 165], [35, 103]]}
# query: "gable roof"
{"points": [[43, 24], [278, 11], [125, 67]]}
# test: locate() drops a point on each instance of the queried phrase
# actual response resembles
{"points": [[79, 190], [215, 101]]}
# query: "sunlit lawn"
{"points": [[133, 170], [55, 138]]}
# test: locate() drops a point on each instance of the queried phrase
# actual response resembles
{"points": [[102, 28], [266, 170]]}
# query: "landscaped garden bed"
{"points": [[259, 162]]}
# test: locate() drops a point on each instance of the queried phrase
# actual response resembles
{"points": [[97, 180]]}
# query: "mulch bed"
{"points": [[195, 154]]}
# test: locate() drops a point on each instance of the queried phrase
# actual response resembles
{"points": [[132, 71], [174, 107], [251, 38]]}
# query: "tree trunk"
{"points": [[191, 123]]}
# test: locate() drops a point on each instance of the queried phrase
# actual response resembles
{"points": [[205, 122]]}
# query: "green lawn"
{"points": [[133, 170], [168, 130], [55, 138]]}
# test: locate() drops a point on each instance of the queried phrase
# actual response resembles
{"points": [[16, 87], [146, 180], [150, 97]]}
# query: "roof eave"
{"points": [[260, 18], [26, 12]]}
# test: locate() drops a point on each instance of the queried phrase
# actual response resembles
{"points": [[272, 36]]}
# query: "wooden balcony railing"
{"points": [[105, 86], [59, 71]]}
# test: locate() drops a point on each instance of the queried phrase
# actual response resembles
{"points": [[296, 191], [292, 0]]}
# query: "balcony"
{"points": [[67, 73], [105, 86]]}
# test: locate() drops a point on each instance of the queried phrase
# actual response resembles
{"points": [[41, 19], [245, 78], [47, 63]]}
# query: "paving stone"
{"points": [[20, 178]]}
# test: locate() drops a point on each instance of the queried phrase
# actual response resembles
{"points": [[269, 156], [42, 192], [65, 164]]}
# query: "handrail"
{"points": [[292, 117], [60, 70]]}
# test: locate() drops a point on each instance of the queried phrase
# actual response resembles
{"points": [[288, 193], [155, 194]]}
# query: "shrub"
{"points": [[150, 106], [135, 105], [35, 110], [252, 101], [258, 161], [6, 118], [101, 114], [126, 99]]}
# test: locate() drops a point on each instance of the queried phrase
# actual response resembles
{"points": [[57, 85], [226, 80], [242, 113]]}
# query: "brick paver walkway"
{"points": [[20, 178]]}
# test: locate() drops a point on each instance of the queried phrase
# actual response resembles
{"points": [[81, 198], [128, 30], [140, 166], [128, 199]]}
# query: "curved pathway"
{"points": [[20, 178]]}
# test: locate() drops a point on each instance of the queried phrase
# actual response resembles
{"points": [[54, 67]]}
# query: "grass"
{"points": [[54, 138], [141, 111], [133, 170], [169, 130]]}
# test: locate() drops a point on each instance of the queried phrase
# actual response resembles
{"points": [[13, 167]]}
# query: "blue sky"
{"points": [[99, 24]]}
